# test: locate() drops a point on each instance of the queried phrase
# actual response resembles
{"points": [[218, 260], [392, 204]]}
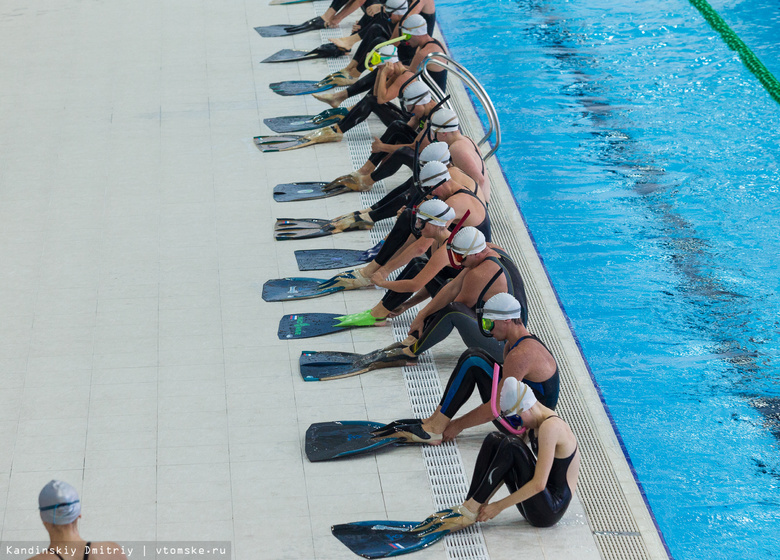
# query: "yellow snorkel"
{"points": [[374, 59]]}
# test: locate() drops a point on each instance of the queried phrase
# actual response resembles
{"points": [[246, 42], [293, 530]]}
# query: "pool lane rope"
{"points": [[749, 59]]}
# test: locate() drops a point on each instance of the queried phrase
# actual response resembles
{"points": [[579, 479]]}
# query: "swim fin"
{"points": [[282, 143], [285, 30], [326, 50], [284, 2], [332, 440], [301, 87], [286, 224], [381, 539], [292, 192], [324, 366], [328, 259], [308, 325], [283, 289], [300, 123], [290, 228]]}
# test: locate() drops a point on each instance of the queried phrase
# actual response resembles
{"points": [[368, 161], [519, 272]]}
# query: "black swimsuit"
{"points": [[484, 225], [438, 76], [87, 548]]}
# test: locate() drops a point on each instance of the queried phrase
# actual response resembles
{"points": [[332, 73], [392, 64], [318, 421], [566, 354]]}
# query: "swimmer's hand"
{"points": [[377, 146], [371, 11], [489, 511], [379, 277], [417, 326], [453, 430]]}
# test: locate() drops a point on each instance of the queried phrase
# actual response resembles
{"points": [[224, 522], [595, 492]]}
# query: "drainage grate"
{"points": [[443, 462]]}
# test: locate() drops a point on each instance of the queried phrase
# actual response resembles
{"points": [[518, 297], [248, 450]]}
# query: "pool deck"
{"points": [[137, 358]]}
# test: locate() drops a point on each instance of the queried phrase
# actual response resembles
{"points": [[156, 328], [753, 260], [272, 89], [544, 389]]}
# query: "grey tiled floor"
{"points": [[137, 358]]}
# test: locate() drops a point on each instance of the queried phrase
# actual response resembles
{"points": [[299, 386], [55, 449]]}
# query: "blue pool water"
{"points": [[644, 158]]}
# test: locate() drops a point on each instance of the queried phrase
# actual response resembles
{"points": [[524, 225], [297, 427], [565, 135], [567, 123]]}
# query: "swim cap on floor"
{"points": [[396, 7], [416, 93], [468, 241], [59, 503], [437, 151], [502, 306], [433, 173], [444, 120], [516, 397], [415, 25], [436, 212]]}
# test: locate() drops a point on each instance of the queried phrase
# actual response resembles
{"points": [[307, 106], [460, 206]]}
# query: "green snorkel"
{"points": [[374, 59]]}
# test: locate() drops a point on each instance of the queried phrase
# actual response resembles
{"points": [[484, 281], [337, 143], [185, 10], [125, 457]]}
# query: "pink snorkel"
{"points": [[494, 404]]}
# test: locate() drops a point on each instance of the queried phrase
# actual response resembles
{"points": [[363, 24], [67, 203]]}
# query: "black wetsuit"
{"points": [[475, 370], [464, 318], [402, 195], [388, 113], [506, 459], [392, 300]]}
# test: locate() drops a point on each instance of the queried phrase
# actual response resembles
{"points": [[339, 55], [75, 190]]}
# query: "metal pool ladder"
{"points": [[455, 68]]}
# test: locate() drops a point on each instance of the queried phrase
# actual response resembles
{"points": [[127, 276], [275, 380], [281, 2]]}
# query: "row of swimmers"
{"points": [[441, 242]]}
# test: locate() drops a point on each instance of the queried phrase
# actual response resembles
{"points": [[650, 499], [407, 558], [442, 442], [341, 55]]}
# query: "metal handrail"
{"points": [[468, 78]]}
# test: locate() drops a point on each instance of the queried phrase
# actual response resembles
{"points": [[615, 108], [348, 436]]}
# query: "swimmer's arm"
{"points": [[386, 92], [431, 269], [401, 258], [350, 7], [446, 295]]}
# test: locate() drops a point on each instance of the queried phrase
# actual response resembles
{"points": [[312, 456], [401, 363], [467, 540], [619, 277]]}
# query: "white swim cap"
{"points": [[436, 151], [389, 53], [59, 503], [433, 173], [416, 93], [415, 25], [396, 7], [444, 120], [516, 397], [468, 241], [502, 306], [436, 212]]}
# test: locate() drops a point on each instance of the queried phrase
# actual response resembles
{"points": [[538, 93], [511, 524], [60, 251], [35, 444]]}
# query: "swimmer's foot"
{"points": [[349, 280], [362, 319], [332, 99], [449, 520], [352, 222], [344, 43]]}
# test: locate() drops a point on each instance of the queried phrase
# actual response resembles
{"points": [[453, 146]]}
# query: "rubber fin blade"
{"points": [[326, 441], [329, 259], [285, 224], [382, 539], [308, 325], [293, 192], [284, 289], [300, 123], [300, 87]]}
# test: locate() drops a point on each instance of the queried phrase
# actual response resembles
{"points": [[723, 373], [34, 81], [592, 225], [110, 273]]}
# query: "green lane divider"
{"points": [[733, 41]]}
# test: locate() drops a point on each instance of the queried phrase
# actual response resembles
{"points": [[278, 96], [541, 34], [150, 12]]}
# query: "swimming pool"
{"points": [[643, 156]]}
